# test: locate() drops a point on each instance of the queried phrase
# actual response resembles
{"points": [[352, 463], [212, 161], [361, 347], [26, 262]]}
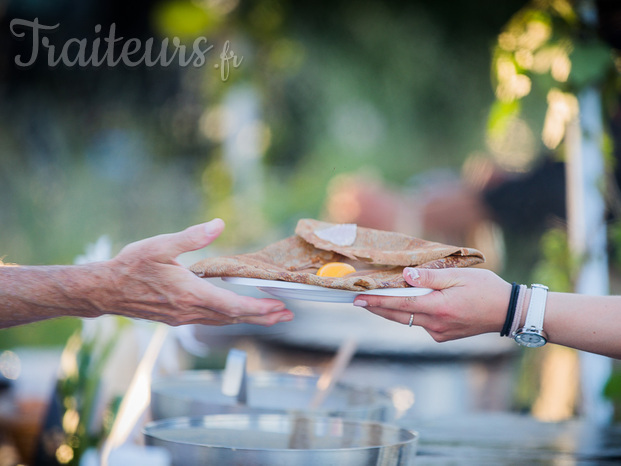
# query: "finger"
{"points": [[269, 319], [406, 304], [436, 279], [396, 316], [265, 321], [207, 315], [399, 316], [232, 304], [169, 246]]}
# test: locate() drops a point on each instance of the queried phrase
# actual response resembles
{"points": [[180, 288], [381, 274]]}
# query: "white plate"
{"points": [[305, 292]]}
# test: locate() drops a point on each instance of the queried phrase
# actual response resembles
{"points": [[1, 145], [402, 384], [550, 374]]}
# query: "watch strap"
{"points": [[536, 307], [518, 311]]}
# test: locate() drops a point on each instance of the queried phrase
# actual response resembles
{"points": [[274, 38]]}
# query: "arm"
{"points": [[143, 281], [589, 323], [474, 301]]}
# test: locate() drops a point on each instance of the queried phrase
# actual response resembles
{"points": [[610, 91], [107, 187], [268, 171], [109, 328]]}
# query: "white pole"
{"points": [[587, 235]]}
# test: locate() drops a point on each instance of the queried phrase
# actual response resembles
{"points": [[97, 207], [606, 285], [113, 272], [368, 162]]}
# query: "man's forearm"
{"points": [[34, 293], [144, 281]]}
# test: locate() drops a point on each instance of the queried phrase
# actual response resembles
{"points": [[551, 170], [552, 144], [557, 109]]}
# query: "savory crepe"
{"points": [[378, 257]]}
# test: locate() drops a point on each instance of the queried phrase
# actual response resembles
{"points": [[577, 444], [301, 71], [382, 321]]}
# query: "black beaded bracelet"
{"points": [[515, 290]]}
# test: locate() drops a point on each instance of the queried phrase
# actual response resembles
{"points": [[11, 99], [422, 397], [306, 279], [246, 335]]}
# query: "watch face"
{"points": [[531, 340]]}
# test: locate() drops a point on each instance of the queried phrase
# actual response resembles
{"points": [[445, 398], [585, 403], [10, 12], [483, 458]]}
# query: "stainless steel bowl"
{"points": [[281, 440], [195, 393]]}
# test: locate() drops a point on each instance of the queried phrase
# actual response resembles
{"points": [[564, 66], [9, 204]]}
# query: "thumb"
{"points": [[436, 279], [196, 237], [169, 246]]}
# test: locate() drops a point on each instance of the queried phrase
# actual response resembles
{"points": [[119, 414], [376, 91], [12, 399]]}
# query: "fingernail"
{"points": [[361, 303], [412, 273], [285, 318]]}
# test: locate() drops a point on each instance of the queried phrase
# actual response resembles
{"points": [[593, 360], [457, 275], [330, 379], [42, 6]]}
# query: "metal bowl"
{"points": [[281, 440], [195, 393]]}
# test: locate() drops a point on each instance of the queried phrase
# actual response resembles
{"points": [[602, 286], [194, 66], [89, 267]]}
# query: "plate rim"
{"points": [[284, 285]]}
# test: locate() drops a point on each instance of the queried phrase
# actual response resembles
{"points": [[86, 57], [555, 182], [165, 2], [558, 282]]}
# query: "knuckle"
{"points": [[434, 327], [443, 314], [439, 337], [235, 312], [407, 303], [439, 327]]}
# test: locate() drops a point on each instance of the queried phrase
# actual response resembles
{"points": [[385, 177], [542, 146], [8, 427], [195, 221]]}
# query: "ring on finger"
{"points": [[411, 320]]}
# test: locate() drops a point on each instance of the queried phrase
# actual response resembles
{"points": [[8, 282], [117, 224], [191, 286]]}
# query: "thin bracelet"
{"points": [[518, 311], [515, 288]]}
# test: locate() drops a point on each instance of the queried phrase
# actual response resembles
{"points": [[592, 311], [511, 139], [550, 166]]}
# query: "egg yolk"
{"points": [[335, 269]]}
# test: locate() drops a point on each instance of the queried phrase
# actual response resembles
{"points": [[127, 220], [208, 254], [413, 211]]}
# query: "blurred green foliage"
{"points": [[558, 266], [552, 48], [612, 391], [400, 88], [546, 53], [43, 334]]}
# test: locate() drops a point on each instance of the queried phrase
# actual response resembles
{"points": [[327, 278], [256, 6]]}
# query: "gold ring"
{"points": [[411, 320]]}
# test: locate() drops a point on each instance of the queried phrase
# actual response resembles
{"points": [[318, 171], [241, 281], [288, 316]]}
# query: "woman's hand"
{"points": [[465, 302]]}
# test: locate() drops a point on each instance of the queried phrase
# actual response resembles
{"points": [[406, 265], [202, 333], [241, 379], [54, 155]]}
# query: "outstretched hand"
{"points": [[148, 283], [465, 302]]}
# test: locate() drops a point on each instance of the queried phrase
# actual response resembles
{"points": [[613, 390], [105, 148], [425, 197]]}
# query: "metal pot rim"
{"points": [[150, 429]]}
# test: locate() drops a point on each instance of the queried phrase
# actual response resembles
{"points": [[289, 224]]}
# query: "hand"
{"points": [[148, 283], [466, 302]]}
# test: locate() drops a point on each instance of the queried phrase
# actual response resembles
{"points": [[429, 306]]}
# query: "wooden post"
{"points": [[585, 175]]}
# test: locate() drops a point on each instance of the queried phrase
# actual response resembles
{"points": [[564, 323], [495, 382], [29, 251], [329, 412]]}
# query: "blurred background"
{"points": [[443, 119], [395, 88]]}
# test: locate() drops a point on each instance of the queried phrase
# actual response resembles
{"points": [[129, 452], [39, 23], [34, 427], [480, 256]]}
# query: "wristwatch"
{"points": [[532, 334]]}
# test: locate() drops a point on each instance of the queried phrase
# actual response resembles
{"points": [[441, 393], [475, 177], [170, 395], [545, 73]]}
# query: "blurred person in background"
{"points": [[144, 281], [456, 209], [485, 199]]}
